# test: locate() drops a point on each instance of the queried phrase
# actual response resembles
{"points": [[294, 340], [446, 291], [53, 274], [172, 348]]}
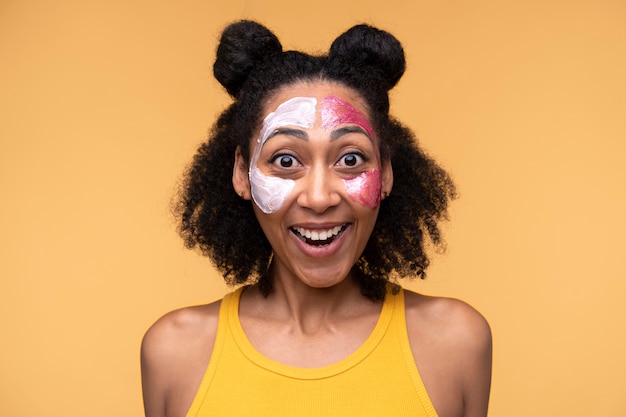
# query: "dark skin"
{"points": [[316, 314]]}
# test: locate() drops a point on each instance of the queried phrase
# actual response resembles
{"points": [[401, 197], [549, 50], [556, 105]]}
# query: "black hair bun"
{"points": [[242, 46], [365, 51]]}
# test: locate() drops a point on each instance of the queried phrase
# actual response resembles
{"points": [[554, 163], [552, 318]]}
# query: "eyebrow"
{"points": [[337, 133], [296, 133]]}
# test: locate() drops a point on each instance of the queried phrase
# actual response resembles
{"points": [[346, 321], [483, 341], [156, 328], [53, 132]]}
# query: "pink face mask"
{"points": [[364, 188]]}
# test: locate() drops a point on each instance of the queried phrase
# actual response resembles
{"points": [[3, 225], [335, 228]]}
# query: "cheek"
{"points": [[365, 189]]}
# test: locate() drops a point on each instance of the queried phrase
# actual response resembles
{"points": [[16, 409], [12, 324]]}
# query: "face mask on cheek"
{"points": [[269, 193], [365, 188]]}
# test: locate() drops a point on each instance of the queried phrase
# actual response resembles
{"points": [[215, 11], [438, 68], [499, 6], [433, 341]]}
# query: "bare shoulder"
{"points": [[447, 317], [452, 346], [175, 352], [180, 330]]}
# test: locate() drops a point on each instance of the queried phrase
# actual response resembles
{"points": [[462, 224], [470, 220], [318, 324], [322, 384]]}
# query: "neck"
{"points": [[308, 310]]}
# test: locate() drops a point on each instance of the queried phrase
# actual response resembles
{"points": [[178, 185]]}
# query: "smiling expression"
{"points": [[315, 176]]}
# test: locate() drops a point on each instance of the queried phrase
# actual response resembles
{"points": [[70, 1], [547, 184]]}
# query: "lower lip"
{"points": [[322, 251]]}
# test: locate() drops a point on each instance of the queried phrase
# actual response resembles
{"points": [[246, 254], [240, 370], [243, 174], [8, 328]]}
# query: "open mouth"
{"points": [[318, 237]]}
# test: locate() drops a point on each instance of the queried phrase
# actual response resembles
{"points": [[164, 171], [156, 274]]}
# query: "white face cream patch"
{"points": [[269, 193]]}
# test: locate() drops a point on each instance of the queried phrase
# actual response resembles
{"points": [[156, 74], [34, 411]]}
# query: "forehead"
{"points": [[319, 90]]}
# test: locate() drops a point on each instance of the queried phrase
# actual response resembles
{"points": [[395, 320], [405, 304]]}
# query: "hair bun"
{"points": [[242, 46], [369, 51]]}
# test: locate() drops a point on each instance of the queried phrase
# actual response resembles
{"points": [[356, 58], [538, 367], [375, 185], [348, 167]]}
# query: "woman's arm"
{"points": [[154, 365], [476, 366]]}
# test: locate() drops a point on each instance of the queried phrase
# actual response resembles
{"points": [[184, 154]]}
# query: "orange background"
{"points": [[103, 103]]}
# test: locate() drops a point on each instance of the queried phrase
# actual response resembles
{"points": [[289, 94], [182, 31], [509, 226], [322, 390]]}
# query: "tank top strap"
{"points": [[400, 328], [226, 305]]}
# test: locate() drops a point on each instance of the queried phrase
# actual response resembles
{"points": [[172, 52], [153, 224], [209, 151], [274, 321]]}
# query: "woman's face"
{"points": [[316, 180]]}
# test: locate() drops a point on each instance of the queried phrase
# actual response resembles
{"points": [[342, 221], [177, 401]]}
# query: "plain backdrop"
{"points": [[102, 104]]}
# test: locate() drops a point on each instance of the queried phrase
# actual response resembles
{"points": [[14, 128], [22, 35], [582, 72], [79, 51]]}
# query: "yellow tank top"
{"points": [[379, 379]]}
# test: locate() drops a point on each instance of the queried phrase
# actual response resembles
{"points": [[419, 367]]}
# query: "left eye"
{"points": [[351, 159]]}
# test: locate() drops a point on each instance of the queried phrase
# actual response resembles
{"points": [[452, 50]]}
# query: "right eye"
{"points": [[285, 161]]}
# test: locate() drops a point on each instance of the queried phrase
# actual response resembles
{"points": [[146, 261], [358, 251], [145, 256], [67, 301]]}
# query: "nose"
{"points": [[320, 191]]}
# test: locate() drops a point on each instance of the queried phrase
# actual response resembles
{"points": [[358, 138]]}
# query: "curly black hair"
{"points": [[252, 66]]}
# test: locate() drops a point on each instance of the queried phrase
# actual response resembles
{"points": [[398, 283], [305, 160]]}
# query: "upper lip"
{"points": [[318, 226]]}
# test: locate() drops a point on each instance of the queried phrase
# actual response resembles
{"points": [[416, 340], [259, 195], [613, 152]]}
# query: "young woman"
{"points": [[313, 201]]}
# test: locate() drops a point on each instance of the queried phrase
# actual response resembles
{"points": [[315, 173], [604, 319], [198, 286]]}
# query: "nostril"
{"points": [[319, 193]]}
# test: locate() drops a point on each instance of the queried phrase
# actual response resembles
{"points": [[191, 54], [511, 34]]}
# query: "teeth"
{"points": [[319, 235]]}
